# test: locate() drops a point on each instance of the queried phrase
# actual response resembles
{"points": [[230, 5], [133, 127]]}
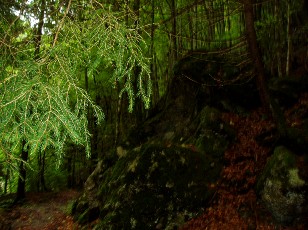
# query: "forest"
{"points": [[153, 114]]}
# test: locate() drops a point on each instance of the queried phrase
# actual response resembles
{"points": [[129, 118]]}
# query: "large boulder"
{"points": [[287, 90], [212, 135], [151, 187], [167, 167], [283, 186]]}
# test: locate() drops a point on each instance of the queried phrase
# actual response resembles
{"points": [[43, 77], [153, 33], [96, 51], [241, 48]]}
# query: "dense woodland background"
{"points": [[78, 78]]}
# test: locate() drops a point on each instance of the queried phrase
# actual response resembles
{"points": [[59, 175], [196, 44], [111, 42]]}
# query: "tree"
{"points": [[294, 136], [42, 103], [255, 53]]}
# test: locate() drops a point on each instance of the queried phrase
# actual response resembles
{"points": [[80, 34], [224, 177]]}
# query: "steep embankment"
{"points": [[236, 205]]}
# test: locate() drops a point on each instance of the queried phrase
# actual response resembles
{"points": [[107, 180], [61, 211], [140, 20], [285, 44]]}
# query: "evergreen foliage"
{"points": [[42, 102]]}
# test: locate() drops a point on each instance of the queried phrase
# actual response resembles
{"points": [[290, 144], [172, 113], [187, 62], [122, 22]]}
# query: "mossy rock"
{"points": [[212, 143], [88, 215], [152, 186], [210, 117], [281, 188], [213, 135], [287, 89]]}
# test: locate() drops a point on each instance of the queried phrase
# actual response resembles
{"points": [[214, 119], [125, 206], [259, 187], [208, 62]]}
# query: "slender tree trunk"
{"points": [[278, 37], [221, 22], [211, 25], [86, 79], [118, 115], [7, 176], [21, 185], [43, 184], [126, 11], [255, 53], [138, 113], [38, 36], [74, 169], [270, 105], [289, 41], [197, 36], [174, 30], [94, 139], [153, 61], [39, 163], [191, 30], [69, 172]]}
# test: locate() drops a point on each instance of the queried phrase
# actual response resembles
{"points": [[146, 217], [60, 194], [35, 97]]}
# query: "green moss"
{"points": [[155, 183], [281, 188], [84, 217], [213, 135], [212, 143], [210, 117], [294, 179], [71, 207], [278, 166]]}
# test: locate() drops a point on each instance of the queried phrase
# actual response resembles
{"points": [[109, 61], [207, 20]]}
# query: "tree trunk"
{"points": [[255, 53], [289, 42], [138, 109], [38, 36], [69, 173], [174, 30], [41, 180], [7, 176], [191, 30], [153, 61], [270, 105], [118, 115], [211, 24], [21, 186]]}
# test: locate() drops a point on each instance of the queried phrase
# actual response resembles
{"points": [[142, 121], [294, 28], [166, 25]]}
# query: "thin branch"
{"points": [[61, 23]]}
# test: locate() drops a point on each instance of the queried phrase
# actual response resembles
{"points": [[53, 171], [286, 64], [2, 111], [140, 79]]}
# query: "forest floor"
{"points": [[234, 206], [40, 211]]}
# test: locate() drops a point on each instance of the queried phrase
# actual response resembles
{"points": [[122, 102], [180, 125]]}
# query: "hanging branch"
{"points": [[61, 23]]}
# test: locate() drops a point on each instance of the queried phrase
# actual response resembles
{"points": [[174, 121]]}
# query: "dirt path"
{"points": [[41, 211]]}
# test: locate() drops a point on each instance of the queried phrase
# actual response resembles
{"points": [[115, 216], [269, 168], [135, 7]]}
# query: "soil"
{"points": [[41, 211], [236, 204]]}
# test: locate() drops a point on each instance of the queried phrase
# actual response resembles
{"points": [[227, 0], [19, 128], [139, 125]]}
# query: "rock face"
{"points": [[161, 183], [166, 169], [283, 186], [154, 187]]}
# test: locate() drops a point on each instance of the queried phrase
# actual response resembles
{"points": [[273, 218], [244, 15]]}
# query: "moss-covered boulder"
{"points": [[154, 187], [287, 90], [283, 187], [160, 183], [213, 136]]}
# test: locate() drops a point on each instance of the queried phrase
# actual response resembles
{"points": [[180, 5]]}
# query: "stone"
{"points": [[155, 186], [282, 189]]}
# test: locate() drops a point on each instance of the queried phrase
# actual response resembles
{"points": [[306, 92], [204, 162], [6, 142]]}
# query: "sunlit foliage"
{"points": [[41, 101]]}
